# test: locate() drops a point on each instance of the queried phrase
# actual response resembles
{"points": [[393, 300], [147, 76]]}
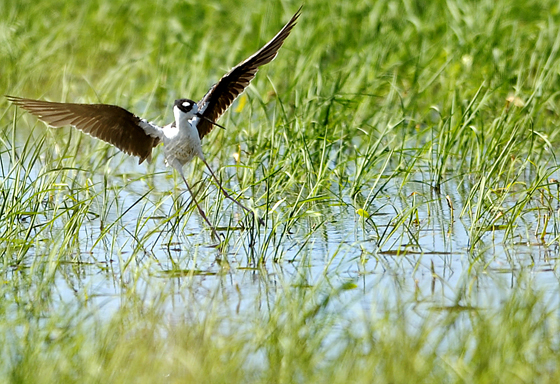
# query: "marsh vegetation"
{"points": [[402, 154]]}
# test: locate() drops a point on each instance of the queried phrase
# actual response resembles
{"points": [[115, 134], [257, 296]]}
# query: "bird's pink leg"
{"points": [[179, 168], [227, 195]]}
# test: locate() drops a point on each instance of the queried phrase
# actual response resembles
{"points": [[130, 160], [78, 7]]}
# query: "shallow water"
{"points": [[428, 262]]}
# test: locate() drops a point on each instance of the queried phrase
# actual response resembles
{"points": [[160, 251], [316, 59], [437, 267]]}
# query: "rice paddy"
{"points": [[402, 155]]}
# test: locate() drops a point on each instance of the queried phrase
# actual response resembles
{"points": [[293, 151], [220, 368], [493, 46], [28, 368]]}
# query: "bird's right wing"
{"points": [[110, 123]]}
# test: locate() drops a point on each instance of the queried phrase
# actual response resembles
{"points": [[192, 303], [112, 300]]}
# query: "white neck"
{"points": [[182, 142], [182, 118]]}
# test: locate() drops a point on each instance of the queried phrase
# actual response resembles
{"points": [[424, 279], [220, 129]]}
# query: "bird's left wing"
{"points": [[110, 123], [222, 94]]}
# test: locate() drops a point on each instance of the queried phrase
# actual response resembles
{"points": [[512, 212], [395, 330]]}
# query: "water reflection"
{"points": [[409, 243], [158, 245]]}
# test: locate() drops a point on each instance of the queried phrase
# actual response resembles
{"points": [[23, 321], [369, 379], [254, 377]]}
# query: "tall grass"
{"points": [[401, 153]]}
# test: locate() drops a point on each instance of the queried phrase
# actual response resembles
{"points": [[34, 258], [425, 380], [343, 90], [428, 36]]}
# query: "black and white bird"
{"points": [[181, 138]]}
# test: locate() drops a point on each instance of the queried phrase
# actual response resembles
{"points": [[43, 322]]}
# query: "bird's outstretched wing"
{"points": [[222, 94], [110, 123]]}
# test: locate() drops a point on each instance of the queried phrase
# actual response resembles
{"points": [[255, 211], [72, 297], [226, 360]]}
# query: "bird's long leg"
{"points": [[179, 168], [227, 195]]}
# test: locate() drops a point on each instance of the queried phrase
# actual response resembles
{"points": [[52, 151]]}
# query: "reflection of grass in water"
{"points": [[306, 332], [361, 100]]}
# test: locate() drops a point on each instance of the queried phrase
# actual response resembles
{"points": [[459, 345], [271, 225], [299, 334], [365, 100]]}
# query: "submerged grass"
{"points": [[401, 153]]}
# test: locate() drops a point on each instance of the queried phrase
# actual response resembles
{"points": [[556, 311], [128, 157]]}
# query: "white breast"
{"points": [[182, 141]]}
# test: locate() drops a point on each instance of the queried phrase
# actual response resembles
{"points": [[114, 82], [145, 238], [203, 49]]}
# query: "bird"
{"points": [[182, 137]]}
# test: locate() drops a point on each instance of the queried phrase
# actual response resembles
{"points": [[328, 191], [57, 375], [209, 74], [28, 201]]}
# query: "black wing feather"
{"points": [[110, 123], [222, 94]]}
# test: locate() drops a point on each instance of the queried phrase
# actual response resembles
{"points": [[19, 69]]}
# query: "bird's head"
{"points": [[186, 106]]}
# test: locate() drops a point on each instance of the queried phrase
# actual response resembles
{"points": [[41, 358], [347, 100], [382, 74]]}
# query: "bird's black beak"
{"points": [[210, 121]]}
